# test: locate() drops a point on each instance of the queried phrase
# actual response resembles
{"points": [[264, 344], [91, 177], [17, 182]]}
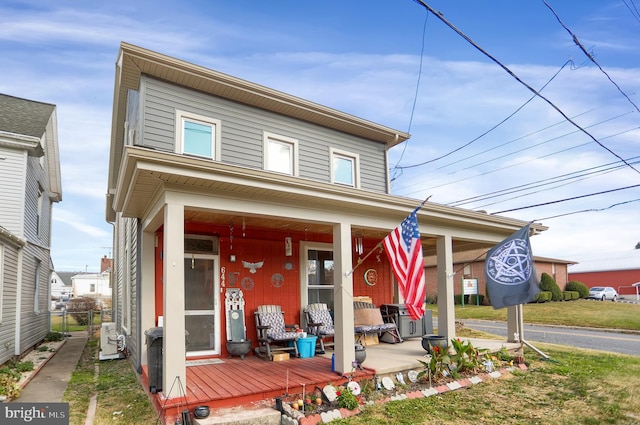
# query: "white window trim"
{"points": [[179, 132], [304, 249], [356, 166], [36, 296], [268, 137]]}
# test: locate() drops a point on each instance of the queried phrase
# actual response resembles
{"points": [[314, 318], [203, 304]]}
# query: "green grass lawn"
{"points": [[586, 313], [574, 386]]}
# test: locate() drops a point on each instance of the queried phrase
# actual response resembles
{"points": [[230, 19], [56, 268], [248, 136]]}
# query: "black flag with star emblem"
{"points": [[510, 271]]}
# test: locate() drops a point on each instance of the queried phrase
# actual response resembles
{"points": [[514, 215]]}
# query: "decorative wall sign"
{"points": [[277, 280], [233, 278], [288, 265], [371, 277], [252, 266], [247, 283]]}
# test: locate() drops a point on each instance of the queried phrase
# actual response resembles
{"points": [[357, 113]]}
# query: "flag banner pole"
{"points": [[361, 260], [378, 246], [521, 340]]}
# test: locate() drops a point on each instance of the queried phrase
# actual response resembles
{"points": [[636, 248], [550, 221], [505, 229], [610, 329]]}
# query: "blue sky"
{"points": [[367, 58]]}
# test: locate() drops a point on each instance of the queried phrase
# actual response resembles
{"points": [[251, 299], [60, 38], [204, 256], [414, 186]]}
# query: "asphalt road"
{"points": [[612, 341]]}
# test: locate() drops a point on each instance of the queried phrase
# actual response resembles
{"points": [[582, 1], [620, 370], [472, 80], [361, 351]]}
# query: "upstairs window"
{"points": [[280, 154], [345, 168], [197, 135]]}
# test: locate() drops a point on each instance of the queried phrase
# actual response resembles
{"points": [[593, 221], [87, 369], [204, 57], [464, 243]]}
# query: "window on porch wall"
{"points": [[320, 269]]}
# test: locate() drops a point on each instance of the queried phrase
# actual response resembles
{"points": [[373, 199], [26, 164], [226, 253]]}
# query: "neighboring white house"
{"points": [[29, 185], [92, 285], [61, 287]]}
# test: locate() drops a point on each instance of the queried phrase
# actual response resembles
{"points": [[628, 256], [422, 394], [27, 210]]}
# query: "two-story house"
{"points": [[217, 183], [29, 185]]}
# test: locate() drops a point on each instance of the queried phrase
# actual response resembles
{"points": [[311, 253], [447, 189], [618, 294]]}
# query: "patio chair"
{"points": [[273, 333], [368, 319], [320, 324]]}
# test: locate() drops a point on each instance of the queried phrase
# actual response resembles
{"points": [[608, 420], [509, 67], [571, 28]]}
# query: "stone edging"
{"points": [[293, 417]]}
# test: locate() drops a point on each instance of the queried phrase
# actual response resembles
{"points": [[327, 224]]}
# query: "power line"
{"points": [[520, 138], [566, 199], [415, 97], [633, 11], [580, 175], [489, 130], [589, 210], [505, 68], [531, 160], [589, 55]]}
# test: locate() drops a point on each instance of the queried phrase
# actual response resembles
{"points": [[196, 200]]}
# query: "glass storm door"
{"points": [[201, 299], [320, 276]]}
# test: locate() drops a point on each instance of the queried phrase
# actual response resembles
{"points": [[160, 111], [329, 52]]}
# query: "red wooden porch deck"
{"points": [[245, 382]]}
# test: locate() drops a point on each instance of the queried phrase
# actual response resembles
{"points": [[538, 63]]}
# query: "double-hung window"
{"points": [[280, 154], [197, 135], [345, 168]]}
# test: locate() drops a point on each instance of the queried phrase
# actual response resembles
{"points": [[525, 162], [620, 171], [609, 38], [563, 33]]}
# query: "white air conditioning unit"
{"points": [[108, 341]]}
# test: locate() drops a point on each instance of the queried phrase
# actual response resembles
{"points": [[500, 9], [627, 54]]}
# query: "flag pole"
{"points": [[378, 246]]}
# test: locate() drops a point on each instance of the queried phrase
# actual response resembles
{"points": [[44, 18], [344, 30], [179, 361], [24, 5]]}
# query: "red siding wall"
{"points": [[620, 280], [257, 245]]}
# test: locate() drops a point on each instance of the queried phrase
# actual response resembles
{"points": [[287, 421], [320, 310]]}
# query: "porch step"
{"points": [[262, 416]]}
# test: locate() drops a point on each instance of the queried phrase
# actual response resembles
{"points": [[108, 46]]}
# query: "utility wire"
{"points": [[633, 11], [581, 175], [589, 55], [504, 67], [531, 160], [415, 97], [589, 210], [518, 138], [566, 199], [489, 130]]}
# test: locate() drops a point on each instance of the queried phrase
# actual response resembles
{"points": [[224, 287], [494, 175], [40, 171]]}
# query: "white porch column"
{"points": [[515, 323], [446, 309], [147, 291], [343, 298], [173, 344]]}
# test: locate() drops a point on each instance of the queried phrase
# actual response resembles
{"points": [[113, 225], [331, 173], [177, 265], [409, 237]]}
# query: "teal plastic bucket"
{"points": [[306, 346]]}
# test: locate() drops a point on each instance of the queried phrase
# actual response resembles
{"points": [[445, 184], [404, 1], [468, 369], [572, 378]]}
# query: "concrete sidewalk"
{"points": [[50, 383]]}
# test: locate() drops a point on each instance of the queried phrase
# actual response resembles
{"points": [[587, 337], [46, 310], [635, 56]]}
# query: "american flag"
{"points": [[404, 250]]}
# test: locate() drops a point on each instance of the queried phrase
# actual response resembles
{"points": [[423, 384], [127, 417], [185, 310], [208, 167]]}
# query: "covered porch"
{"points": [[255, 383]]}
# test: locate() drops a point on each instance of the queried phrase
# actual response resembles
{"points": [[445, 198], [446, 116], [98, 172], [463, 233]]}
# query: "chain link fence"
{"points": [[89, 321]]}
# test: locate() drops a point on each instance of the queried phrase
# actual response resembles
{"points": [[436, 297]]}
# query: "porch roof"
{"points": [[146, 173]]}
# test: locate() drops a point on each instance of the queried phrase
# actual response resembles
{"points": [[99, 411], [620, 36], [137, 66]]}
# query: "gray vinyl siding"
{"points": [[37, 229], [124, 226], [242, 129], [12, 189], [9, 270], [34, 324]]}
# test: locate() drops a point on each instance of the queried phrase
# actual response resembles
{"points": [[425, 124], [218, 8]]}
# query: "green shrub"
{"points": [[54, 336], [547, 283], [9, 386], [432, 299], [80, 309], [581, 288], [468, 299], [570, 295], [24, 366], [543, 297]]}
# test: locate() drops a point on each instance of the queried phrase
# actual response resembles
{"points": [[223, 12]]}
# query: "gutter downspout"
{"points": [[19, 289]]}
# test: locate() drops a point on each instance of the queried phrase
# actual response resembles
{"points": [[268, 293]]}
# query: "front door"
{"points": [[201, 305]]}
